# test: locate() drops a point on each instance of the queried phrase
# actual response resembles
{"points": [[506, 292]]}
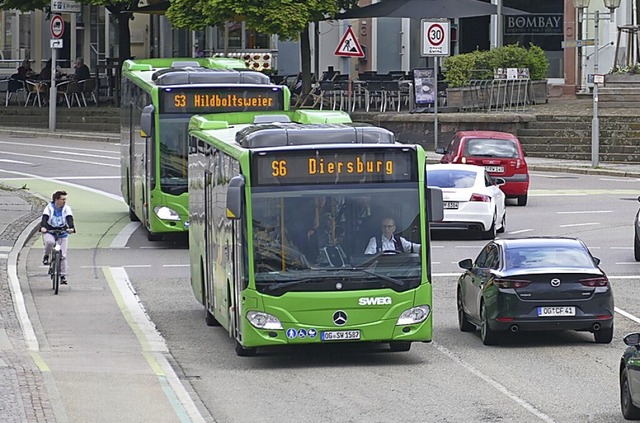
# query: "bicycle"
{"points": [[55, 258]]}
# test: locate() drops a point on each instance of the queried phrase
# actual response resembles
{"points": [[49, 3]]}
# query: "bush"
{"points": [[480, 64]]}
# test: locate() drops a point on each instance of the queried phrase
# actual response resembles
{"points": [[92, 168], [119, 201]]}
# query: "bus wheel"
{"points": [[245, 352], [400, 346], [132, 215], [153, 237]]}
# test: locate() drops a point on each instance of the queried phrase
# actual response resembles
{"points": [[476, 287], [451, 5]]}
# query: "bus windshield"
{"points": [[336, 238], [173, 154]]}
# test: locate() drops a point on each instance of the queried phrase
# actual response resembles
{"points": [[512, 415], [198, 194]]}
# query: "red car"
{"points": [[499, 152]]}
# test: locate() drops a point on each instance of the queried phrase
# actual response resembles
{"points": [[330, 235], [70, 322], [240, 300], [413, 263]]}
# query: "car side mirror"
{"points": [[597, 261], [441, 150], [466, 264], [638, 199], [632, 339], [499, 181]]}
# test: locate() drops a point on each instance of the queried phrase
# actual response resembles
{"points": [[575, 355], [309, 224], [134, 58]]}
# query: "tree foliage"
{"points": [[289, 19]]}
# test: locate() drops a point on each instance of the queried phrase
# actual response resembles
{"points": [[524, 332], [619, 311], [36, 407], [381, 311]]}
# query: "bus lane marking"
{"points": [[153, 344], [573, 225], [61, 159]]}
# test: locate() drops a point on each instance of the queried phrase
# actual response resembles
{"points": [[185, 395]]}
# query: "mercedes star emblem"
{"points": [[339, 318]]}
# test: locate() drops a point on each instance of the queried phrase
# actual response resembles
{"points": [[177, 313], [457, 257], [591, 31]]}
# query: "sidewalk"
{"points": [[23, 394]]}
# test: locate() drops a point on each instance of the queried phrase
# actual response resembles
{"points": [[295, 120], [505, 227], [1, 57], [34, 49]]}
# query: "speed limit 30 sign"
{"points": [[436, 37]]}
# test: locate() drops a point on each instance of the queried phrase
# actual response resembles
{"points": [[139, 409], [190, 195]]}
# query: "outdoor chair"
{"points": [[36, 91], [89, 88], [70, 90], [11, 86]]}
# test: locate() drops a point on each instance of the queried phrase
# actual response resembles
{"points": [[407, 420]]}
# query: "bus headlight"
{"points": [[414, 315], [165, 213], [263, 320]]}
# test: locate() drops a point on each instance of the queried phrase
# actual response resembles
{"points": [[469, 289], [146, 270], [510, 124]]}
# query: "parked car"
{"points": [[472, 200], [630, 378], [499, 152], [636, 240], [537, 283]]}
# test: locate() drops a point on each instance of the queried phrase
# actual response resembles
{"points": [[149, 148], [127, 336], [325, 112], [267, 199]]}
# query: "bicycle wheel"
{"points": [[56, 271]]}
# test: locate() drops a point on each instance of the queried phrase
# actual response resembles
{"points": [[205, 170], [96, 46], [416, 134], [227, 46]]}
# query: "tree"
{"points": [[122, 11], [289, 19]]}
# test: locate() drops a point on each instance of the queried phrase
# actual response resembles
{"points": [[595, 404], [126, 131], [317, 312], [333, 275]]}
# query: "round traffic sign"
{"points": [[57, 26], [435, 34]]}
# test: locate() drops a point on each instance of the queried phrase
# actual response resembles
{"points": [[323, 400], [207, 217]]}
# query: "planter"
{"points": [[624, 80], [539, 92]]}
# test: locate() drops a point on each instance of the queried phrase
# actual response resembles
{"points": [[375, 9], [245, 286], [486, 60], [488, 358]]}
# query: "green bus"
{"points": [[283, 215], [169, 92]]}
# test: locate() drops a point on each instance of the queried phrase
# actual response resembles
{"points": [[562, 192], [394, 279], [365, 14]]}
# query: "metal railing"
{"points": [[498, 95]]}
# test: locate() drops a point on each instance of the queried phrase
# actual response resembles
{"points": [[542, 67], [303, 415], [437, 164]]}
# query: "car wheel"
{"points": [[464, 323], [603, 336], [522, 200], [629, 411], [400, 346], [491, 233], [636, 246], [504, 223], [488, 335]]}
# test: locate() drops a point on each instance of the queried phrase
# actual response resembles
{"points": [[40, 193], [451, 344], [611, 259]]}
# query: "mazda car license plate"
{"points": [[556, 311], [340, 335], [450, 204], [495, 169]]}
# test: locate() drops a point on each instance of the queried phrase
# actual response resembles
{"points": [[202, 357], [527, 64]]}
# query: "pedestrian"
{"points": [[57, 216]]}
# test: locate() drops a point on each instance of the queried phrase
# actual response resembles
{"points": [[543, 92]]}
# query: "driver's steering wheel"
{"points": [[391, 252]]}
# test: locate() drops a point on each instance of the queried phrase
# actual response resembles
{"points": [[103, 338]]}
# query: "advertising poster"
{"points": [[424, 85]]}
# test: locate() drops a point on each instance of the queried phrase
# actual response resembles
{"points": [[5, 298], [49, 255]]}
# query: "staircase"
{"points": [[569, 137], [84, 119]]}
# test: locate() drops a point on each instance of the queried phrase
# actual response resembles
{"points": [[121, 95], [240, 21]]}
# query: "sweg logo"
{"points": [[374, 301]]}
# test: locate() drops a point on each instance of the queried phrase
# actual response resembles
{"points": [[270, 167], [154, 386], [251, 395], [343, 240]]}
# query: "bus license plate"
{"points": [[556, 311], [450, 205], [340, 335], [495, 169]]}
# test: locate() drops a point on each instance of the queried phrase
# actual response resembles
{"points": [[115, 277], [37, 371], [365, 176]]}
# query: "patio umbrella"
{"points": [[421, 9]]}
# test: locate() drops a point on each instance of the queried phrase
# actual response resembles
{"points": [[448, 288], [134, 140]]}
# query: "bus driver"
{"points": [[389, 241]]}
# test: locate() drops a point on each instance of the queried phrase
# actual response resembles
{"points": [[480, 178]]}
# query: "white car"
{"points": [[472, 199]]}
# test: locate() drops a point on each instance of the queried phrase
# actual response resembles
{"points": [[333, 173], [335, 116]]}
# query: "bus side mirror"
{"points": [[435, 206], [235, 194], [146, 121]]}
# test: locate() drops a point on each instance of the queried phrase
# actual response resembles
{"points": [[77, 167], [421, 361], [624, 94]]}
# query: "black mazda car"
{"points": [[537, 283]]}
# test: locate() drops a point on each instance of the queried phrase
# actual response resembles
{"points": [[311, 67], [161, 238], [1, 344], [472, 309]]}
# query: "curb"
{"points": [[89, 136]]}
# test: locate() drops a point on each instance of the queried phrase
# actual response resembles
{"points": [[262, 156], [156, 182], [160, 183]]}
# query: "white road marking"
{"points": [[572, 225], [23, 144], [520, 231], [176, 265], [498, 386], [633, 180], [585, 212], [627, 262], [120, 241], [58, 159], [621, 248], [627, 315], [71, 153], [15, 162]]}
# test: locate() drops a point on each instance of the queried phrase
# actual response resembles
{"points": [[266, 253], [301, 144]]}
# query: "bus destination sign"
{"points": [[200, 100], [334, 167]]}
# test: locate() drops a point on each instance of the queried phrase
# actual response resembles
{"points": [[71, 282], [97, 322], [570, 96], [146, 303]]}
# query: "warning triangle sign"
{"points": [[349, 45]]}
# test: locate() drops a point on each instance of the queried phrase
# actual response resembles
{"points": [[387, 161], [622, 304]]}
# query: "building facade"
{"points": [[390, 44]]}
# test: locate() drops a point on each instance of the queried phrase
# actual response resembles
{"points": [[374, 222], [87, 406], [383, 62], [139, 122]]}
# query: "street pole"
{"points": [[435, 103], [595, 124], [53, 90]]}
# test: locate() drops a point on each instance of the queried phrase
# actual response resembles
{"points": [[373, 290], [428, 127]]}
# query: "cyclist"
{"points": [[57, 215]]}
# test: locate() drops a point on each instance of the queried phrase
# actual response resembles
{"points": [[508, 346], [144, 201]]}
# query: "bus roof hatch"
{"points": [[291, 134]]}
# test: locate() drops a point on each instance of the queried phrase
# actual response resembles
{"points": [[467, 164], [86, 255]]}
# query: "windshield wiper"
{"points": [[378, 275], [278, 285]]}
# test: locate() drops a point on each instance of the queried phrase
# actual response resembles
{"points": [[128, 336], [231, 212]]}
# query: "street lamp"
{"points": [[581, 5]]}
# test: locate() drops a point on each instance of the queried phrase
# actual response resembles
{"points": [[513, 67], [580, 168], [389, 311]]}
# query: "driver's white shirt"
{"points": [[389, 245]]}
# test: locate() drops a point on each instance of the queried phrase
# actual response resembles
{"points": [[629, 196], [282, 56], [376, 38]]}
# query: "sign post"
{"points": [[349, 47], [435, 42], [57, 31]]}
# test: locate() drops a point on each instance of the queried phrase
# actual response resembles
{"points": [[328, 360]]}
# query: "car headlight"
{"points": [[414, 315], [263, 320], [165, 213]]}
